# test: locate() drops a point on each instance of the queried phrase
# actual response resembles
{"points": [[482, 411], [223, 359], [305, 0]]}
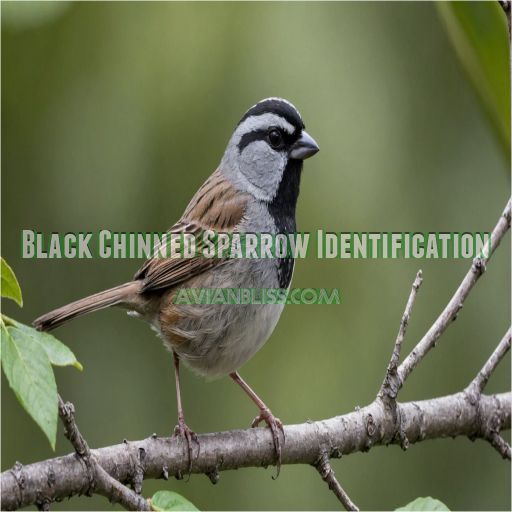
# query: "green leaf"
{"points": [[10, 286], [5, 320], [58, 353], [479, 34], [30, 375], [169, 500], [426, 504]]}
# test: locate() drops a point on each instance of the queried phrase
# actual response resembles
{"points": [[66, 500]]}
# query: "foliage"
{"points": [[425, 504], [10, 286], [478, 31], [27, 357], [169, 500]]}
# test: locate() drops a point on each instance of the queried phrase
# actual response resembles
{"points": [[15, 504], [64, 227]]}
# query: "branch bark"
{"points": [[492, 429], [323, 466], [481, 380], [449, 313], [385, 421], [358, 431], [392, 384], [98, 480]]}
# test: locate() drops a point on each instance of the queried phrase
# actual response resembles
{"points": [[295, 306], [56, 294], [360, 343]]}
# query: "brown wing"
{"points": [[217, 205]]}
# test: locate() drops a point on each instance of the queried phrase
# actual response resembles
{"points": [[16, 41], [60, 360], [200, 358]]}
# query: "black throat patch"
{"points": [[282, 209]]}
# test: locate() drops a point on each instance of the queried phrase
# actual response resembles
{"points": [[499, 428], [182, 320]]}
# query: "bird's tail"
{"points": [[117, 295]]}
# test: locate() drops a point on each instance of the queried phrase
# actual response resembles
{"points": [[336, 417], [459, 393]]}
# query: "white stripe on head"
{"points": [[262, 122], [256, 167]]}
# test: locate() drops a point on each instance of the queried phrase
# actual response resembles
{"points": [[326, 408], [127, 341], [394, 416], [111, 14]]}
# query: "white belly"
{"points": [[220, 338]]}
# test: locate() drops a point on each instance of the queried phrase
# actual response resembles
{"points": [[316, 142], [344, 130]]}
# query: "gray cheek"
{"points": [[262, 166]]}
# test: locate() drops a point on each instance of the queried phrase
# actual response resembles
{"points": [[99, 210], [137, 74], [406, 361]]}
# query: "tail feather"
{"points": [[118, 295]]}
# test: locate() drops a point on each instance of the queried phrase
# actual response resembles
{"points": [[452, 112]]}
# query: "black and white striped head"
{"points": [[270, 135]]}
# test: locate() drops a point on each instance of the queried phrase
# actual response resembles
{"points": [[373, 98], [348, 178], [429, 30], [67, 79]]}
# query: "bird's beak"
{"points": [[304, 147]]}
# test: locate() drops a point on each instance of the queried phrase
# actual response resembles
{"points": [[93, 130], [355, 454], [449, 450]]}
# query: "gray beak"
{"points": [[304, 147]]}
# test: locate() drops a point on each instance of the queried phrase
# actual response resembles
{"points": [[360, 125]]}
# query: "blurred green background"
{"points": [[113, 114]]}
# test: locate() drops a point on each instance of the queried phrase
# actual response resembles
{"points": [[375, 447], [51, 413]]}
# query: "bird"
{"points": [[253, 190]]}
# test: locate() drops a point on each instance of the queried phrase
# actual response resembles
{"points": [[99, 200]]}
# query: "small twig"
{"points": [[67, 416], [450, 312], [500, 445], [480, 381], [391, 385], [490, 427], [99, 480], [323, 466], [115, 491]]}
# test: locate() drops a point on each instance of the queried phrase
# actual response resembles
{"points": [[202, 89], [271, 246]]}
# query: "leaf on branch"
{"points": [[169, 500], [10, 286], [30, 375], [479, 34], [27, 356], [425, 504], [58, 353]]}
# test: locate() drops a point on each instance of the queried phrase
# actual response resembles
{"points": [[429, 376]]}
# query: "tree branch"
{"points": [[499, 444], [370, 426], [480, 381], [323, 466], [449, 314], [467, 413], [97, 479], [391, 384], [490, 430]]}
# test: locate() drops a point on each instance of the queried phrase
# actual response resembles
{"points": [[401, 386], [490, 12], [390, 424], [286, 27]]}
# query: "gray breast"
{"points": [[219, 338]]}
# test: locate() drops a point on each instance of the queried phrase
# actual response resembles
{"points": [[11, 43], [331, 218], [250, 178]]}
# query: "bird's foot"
{"points": [[183, 431], [276, 427]]}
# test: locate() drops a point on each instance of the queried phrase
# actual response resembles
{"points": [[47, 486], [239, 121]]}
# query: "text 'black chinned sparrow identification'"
{"points": [[254, 190]]}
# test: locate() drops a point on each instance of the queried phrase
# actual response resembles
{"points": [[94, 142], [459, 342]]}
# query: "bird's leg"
{"points": [[181, 428], [265, 415]]}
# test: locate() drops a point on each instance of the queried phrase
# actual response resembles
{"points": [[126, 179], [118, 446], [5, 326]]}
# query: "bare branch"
{"points": [[391, 385], [500, 445], [323, 466], [480, 381], [450, 312], [485, 373], [468, 413], [97, 479], [448, 416], [67, 416], [115, 491], [490, 428]]}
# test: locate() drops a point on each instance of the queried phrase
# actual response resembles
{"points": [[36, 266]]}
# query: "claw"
{"points": [[182, 430], [275, 426], [265, 415]]}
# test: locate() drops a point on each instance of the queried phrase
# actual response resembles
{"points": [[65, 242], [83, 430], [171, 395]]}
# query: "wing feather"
{"points": [[218, 206]]}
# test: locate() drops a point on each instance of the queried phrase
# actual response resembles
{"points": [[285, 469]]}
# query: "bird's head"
{"points": [[269, 140]]}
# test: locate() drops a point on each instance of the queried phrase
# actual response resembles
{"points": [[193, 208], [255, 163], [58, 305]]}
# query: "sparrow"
{"points": [[254, 190]]}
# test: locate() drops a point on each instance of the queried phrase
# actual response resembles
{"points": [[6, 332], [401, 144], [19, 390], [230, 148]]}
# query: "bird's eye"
{"points": [[275, 138]]}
